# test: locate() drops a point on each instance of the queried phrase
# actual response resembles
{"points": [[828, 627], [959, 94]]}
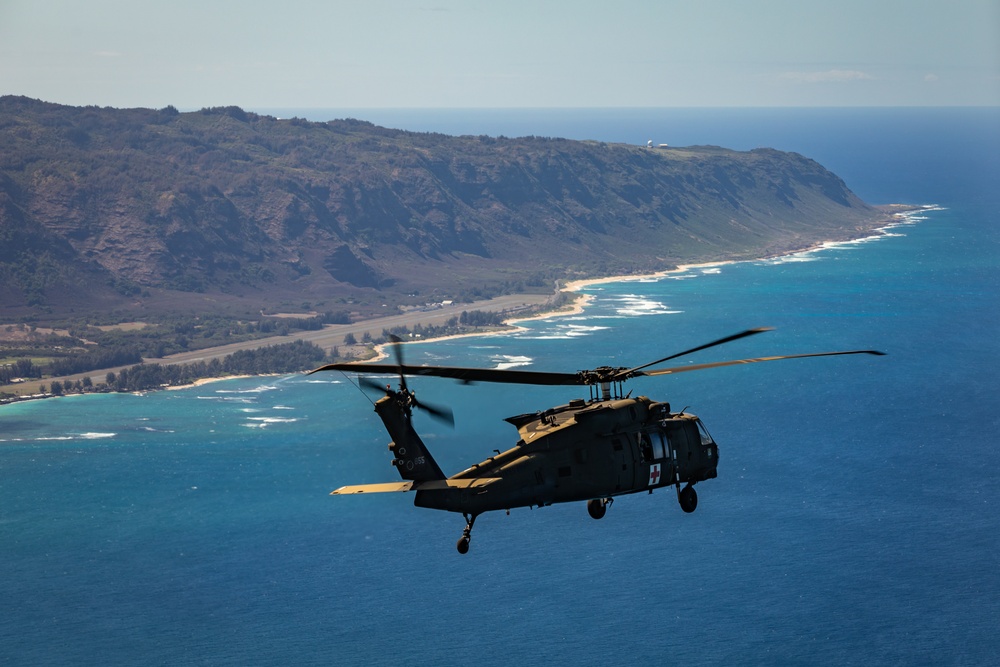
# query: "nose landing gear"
{"points": [[598, 507], [687, 497]]}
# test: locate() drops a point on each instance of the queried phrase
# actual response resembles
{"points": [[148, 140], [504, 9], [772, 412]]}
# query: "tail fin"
{"points": [[411, 457]]}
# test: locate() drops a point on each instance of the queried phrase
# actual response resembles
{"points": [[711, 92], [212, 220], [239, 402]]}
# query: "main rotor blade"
{"points": [[719, 364], [728, 339], [462, 374], [592, 377]]}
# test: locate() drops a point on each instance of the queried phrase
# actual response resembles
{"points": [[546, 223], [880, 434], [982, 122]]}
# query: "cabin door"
{"points": [[662, 451], [626, 461]]}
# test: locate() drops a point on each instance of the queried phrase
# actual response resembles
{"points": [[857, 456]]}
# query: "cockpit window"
{"points": [[706, 439], [659, 447]]}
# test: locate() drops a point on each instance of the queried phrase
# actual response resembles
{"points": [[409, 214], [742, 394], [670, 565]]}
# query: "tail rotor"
{"points": [[409, 398]]}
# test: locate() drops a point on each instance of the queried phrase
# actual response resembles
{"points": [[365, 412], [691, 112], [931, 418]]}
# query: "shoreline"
{"points": [[895, 215], [895, 218], [577, 306], [203, 381]]}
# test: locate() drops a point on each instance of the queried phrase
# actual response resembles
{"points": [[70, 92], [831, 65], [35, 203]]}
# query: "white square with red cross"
{"points": [[654, 474]]}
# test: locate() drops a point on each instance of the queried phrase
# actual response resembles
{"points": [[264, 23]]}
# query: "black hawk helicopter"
{"points": [[587, 450]]}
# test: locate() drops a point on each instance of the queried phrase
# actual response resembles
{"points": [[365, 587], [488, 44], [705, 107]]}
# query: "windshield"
{"points": [[706, 439]]}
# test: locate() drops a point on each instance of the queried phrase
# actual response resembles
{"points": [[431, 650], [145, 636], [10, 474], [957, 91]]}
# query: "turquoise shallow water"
{"points": [[854, 519]]}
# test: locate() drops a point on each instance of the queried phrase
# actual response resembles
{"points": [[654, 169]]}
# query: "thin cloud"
{"points": [[829, 76]]}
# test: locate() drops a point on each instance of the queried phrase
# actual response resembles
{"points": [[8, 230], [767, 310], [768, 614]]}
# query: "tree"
{"points": [[26, 368]]}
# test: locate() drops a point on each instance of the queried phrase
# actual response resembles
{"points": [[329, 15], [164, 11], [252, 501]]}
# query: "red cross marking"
{"points": [[654, 474]]}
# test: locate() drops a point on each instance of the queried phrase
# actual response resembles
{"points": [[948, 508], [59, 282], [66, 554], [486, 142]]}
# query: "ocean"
{"points": [[855, 518]]}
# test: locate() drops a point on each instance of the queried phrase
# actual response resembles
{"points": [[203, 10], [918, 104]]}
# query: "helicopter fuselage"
{"points": [[574, 452], [601, 449]]}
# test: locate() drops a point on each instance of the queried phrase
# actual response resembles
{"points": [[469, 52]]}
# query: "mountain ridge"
{"points": [[138, 211]]}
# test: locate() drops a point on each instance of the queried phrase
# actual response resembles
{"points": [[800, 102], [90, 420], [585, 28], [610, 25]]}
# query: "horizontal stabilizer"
{"points": [[434, 485], [388, 487]]}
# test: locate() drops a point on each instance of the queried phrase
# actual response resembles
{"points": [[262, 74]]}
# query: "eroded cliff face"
{"points": [[138, 205]]}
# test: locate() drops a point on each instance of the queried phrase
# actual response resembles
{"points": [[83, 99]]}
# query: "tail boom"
{"points": [[410, 455]]}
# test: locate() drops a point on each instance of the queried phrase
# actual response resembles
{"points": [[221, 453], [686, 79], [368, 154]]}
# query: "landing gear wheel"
{"points": [[463, 542], [598, 507], [688, 499]]}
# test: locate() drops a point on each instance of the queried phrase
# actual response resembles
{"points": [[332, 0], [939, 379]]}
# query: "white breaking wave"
{"points": [[150, 429], [791, 259], [903, 220], [585, 328], [264, 422], [633, 313], [565, 331], [635, 306], [553, 336], [505, 361], [255, 390], [228, 399]]}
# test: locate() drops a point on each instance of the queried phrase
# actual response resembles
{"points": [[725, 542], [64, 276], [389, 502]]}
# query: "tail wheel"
{"points": [[463, 542], [688, 499]]}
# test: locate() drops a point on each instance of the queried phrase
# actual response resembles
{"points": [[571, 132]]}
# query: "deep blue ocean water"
{"points": [[855, 519]]}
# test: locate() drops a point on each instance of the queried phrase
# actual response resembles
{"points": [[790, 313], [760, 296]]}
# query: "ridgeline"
{"points": [[142, 212]]}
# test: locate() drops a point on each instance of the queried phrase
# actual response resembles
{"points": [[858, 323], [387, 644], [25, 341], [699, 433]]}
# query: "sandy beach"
{"points": [[202, 381]]}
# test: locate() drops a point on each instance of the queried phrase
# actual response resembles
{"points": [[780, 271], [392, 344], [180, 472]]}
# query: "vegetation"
{"points": [[155, 213], [284, 358], [288, 357], [82, 347], [21, 368]]}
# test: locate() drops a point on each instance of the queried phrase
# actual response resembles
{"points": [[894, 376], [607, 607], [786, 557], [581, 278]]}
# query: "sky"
{"points": [[501, 53]]}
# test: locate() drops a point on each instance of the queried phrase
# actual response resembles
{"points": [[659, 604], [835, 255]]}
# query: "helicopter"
{"points": [[592, 450]]}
